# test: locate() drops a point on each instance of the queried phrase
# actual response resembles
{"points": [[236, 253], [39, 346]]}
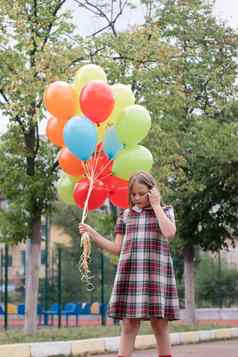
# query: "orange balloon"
{"points": [[60, 100], [54, 131], [70, 163]]}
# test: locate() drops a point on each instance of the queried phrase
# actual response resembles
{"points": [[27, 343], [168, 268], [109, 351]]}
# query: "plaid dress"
{"points": [[144, 286]]}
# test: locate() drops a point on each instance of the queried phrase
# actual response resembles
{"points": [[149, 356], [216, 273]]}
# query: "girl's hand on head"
{"points": [[154, 197]]}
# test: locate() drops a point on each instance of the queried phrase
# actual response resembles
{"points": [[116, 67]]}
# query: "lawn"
{"points": [[78, 333]]}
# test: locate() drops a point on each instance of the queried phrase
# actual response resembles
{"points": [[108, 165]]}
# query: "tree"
{"points": [[217, 283], [182, 66], [38, 46], [201, 88], [34, 51]]}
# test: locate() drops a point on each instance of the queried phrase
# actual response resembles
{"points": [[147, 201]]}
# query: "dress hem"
{"points": [[159, 317]]}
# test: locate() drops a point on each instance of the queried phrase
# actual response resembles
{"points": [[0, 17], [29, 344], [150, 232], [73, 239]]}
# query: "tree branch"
{"points": [[122, 7], [54, 167], [20, 122], [96, 10], [86, 7], [98, 31], [57, 8], [75, 61], [4, 96], [37, 140]]}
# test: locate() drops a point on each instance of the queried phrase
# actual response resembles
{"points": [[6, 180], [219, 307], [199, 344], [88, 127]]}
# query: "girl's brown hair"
{"points": [[142, 177]]}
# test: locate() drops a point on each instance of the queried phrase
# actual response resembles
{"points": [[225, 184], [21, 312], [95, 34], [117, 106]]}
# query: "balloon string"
{"points": [[90, 171], [103, 169], [85, 208], [103, 177], [97, 156], [94, 160], [85, 242], [91, 162], [88, 166], [85, 167]]}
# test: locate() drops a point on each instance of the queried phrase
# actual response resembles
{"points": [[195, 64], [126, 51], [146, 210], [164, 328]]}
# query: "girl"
{"points": [[144, 287]]}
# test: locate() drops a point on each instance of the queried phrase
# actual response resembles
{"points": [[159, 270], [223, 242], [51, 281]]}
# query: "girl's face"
{"points": [[139, 195]]}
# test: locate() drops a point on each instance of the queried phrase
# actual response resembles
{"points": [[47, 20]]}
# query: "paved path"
{"points": [[208, 349]]}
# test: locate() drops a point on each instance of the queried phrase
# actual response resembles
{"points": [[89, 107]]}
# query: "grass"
{"points": [[78, 333]]}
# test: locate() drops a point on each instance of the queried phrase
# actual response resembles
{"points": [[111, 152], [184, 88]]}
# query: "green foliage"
{"points": [[210, 209], [74, 289], [216, 284], [35, 50], [28, 196], [201, 146], [182, 67]]}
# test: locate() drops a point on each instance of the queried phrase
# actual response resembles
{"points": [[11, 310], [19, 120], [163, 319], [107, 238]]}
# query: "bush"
{"points": [[216, 284]]}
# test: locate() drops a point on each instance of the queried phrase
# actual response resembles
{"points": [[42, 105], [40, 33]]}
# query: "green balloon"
{"points": [[131, 160], [134, 125], [65, 188]]}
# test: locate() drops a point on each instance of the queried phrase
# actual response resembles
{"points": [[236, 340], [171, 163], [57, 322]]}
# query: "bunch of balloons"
{"points": [[98, 127]]}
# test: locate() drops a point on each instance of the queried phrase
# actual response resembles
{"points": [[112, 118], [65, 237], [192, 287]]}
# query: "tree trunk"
{"points": [[33, 255], [190, 316]]}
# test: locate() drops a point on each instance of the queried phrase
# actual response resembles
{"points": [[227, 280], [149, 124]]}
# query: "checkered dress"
{"points": [[144, 286]]}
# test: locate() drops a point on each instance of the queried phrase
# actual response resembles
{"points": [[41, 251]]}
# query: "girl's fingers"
{"points": [[82, 229]]}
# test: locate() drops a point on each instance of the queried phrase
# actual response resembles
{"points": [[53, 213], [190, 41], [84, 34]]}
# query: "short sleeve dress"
{"points": [[144, 286]]}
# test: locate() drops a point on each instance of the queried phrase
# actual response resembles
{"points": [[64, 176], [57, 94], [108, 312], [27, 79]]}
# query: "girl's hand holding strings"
{"points": [[85, 228], [154, 197]]}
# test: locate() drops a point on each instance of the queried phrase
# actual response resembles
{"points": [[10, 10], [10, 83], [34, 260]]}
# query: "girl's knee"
{"points": [[131, 325], [160, 327]]}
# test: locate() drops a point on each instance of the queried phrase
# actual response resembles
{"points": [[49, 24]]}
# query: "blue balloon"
{"points": [[80, 136], [111, 144]]}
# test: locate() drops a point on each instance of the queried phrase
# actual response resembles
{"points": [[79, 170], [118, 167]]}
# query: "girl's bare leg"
{"points": [[130, 328], [161, 332]]}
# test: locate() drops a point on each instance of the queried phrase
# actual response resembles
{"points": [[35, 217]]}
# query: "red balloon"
{"points": [[112, 182], [100, 165], [97, 196], [118, 191], [119, 197], [97, 101]]}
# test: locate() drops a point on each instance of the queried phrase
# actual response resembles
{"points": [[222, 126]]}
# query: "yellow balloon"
{"points": [[115, 116], [88, 73], [78, 109], [75, 179], [124, 97], [101, 129]]}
